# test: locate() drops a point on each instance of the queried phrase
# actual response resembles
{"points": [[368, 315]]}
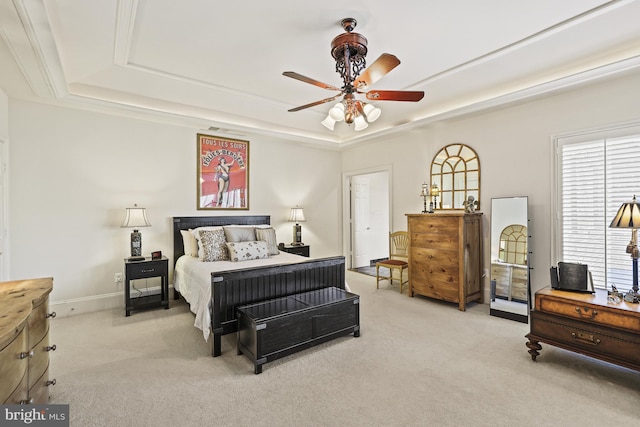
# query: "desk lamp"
{"points": [[628, 216]]}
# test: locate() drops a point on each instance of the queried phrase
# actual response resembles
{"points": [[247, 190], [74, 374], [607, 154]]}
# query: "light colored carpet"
{"points": [[418, 362]]}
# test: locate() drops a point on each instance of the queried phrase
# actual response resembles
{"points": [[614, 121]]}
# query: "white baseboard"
{"points": [[90, 304]]}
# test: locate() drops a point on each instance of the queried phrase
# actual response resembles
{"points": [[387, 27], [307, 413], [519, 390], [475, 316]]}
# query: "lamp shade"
{"points": [[329, 123], [371, 112], [628, 215], [135, 217], [296, 215], [360, 123], [337, 112]]}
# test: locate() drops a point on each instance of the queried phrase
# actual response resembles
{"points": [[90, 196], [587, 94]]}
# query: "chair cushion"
{"points": [[393, 262]]}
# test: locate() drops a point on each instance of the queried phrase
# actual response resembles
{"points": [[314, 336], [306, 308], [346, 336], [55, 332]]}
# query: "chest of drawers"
{"points": [[24, 341], [445, 256]]}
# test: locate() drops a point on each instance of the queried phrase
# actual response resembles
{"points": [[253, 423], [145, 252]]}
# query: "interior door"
{"points": [[360, 201]]}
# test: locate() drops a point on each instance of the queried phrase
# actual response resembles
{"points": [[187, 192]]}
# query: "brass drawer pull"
{"points": [[585, 312], [51, 348], [586, 338], [52, 315]]}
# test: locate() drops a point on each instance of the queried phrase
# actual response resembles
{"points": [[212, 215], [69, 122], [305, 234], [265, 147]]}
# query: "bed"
{"points": [[214, 289]]}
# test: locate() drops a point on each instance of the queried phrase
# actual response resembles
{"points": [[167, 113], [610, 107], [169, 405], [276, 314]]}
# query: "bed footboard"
{"points": [[238, 287]]}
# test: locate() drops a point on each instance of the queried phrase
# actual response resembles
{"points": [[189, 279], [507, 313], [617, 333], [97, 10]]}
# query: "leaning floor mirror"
{"points": [[510, 258]]}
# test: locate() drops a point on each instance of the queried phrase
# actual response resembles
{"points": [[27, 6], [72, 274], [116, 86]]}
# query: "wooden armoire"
{"points": [[445, 256]]}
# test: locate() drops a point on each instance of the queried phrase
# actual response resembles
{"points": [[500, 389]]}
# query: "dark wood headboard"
{"points": [[187, 222]]}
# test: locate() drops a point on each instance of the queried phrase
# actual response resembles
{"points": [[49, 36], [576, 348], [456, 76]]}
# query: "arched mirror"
{"points": [[510, 258], [455, 170]]}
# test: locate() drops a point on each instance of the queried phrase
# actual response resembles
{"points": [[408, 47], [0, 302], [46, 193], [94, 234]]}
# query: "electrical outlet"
{"points": [[118, 278]]}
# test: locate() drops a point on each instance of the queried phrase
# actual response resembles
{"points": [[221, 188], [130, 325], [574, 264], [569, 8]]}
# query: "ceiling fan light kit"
{"points": [[349, 51]]}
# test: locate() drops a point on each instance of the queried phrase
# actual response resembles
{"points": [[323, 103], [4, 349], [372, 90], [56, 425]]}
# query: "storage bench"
{"points": [[278, 327]]}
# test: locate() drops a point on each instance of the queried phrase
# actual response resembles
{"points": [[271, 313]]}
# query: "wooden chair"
{"points": [[398, 259]]}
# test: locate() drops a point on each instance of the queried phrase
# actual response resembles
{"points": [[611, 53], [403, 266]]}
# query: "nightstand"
{"points": [[145, 269], [298, 250]]}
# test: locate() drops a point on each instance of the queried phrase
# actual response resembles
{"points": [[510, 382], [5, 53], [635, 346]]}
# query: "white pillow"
{"points": [[268, 235], [213, 245], [189, 243], [196, 234], [244, 251], [240, 233]]}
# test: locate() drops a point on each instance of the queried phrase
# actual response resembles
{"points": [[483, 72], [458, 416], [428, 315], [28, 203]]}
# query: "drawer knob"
{"points": [[51, 348], [50, 382], [52, 315], [24, 354]]}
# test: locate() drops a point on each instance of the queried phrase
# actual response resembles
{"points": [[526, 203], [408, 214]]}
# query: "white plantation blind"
{"points": [[596, 176]]}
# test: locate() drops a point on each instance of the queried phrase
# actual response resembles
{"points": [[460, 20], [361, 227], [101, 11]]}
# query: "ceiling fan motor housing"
{"points": [[349, 50]]}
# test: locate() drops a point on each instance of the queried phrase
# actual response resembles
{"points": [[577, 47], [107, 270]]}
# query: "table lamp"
{"points": [[135, 218], [297, 215], [628, 216]]}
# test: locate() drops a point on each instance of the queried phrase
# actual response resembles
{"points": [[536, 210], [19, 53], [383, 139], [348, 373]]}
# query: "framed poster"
{"points": [[223, 173]]}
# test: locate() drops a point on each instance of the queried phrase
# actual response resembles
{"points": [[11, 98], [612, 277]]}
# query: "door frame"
{"points": [[346, 205], [4, 205]]}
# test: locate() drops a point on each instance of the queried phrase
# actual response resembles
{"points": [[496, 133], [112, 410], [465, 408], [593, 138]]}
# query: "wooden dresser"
{"points": [[445, 256], [24, 341], [586, 324]]}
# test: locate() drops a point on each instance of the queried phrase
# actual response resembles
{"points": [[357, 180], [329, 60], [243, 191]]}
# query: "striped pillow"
{"points": [[268, 235]]}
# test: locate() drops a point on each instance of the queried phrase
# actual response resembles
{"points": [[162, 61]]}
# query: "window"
{"points": [[456, 171], [595, 176]]}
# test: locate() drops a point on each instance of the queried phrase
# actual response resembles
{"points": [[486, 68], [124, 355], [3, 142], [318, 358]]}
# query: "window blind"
{"points": [[596, 177]]}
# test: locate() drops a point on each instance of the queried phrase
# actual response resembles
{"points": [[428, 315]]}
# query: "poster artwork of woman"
{"points": [[222, 176]]}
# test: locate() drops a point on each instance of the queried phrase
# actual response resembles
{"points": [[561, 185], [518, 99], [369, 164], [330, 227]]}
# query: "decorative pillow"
{"points": [[189, 243], [268, 235], [213, 245], [196, 234], [244, 251], [240, 234]]}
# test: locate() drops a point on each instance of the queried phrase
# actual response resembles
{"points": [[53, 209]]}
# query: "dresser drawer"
{"points": [[13, 364], [39, 391], [147, 269], [586, 338], [436, 225], [39, 360], [20, 393], [433, 289], [591, 313], [38, 322]]}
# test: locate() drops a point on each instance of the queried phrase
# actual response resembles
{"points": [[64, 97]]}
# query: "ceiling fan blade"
{"points": [[309, 80], [374, 72], [313, 104], [395, 95]]}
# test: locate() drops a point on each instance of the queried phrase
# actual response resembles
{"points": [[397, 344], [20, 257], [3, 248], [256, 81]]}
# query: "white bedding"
{"points": [[192, 278]]}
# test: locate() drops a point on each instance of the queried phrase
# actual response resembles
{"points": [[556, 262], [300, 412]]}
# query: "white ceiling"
{"points": [[219, 64]]}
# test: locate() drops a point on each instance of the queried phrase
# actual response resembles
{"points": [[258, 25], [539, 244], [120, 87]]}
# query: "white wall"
{"points": [[4, 116], [74, 172], [515, 149]]}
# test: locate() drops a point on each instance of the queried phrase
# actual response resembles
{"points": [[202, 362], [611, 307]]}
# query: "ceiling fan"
{"points": [[349, 50]]}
